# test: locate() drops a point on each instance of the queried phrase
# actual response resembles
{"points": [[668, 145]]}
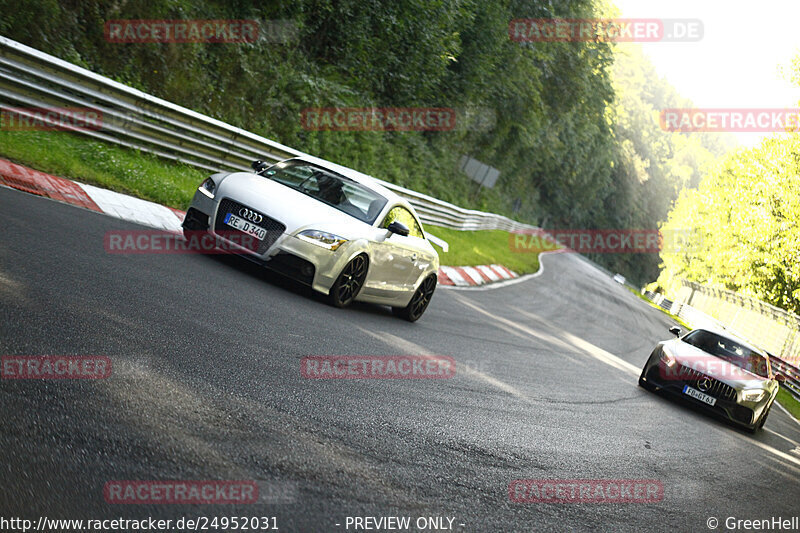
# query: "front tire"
{"points": [[419, 302], [350, 281]]}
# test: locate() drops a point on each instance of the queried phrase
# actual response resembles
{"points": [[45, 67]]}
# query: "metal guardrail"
{"points": [[792, 374], [772, 328], [134, 119], [697, 318]]}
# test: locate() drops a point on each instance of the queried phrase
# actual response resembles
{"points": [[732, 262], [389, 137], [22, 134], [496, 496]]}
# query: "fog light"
{"points": [[753, 395]]}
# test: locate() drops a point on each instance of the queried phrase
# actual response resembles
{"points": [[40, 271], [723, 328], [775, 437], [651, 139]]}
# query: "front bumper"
{"points": [[727, 405], [286, 254]]}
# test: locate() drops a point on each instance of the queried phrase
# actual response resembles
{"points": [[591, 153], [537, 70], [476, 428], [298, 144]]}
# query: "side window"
{"points": [[402, 215]]}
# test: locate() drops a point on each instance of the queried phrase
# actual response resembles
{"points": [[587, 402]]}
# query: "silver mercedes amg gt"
{"points": [[327, 226], [717, 371]]}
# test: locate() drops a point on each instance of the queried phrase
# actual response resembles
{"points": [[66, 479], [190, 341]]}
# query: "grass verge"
{"points": [[789, 402], [103, 164], [484, 247]]}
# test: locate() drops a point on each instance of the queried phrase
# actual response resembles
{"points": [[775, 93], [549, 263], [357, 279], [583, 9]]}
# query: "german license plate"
{"points": [[248, 227], [694, 393]]}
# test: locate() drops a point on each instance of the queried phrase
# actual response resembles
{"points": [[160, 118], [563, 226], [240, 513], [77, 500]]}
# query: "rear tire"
{"points": [[350, 281], [419, 302]]}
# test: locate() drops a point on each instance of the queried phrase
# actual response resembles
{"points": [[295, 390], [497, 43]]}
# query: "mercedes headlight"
{"points": [[208, 187], [667, 358], [753, 395], [322, 238]]}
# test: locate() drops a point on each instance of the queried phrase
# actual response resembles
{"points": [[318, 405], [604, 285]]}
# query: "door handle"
{"points": [[413, 257]]}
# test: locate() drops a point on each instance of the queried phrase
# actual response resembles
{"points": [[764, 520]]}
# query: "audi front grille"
{"points": [[274, 228]]}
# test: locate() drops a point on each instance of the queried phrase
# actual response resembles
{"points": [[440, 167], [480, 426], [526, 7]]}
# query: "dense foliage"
{"points": [[575, 137], [651, 166], [744, 224]]}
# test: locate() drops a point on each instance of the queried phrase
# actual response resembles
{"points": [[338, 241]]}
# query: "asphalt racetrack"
{"points": [[206, 385]]}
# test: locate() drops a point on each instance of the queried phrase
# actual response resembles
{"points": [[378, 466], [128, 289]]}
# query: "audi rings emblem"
{"points": [[704, 384], [249, 214]]}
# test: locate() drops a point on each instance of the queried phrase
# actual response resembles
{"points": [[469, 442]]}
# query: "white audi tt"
{"points": [[327, 226]]}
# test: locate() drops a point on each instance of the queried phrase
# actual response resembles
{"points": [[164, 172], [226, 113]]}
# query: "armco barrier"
{"points": [[772, 328], [792, 374], [134, 119]]}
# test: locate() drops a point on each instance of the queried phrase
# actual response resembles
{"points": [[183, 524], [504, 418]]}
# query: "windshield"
{"points": [[344, 194], [729, 350]]}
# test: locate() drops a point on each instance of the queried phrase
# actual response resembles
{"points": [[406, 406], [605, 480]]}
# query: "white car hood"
{"points": [[294, 209], [715, 367]]}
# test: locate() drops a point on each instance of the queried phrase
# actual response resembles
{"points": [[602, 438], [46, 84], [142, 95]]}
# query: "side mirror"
{"points": [[780, 378], [675, 330], [259, 165], [399, 228]]}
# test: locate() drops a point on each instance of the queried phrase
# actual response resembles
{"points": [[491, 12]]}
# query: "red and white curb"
{"points": [[473, 276], [89, 197], [155, 215]]}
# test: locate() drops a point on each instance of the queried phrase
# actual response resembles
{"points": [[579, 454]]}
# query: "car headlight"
{"points": [[322, 238], [208, 187], [753, 395], [667, 358]]}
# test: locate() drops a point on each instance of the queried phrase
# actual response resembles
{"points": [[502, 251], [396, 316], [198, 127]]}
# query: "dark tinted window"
{"points": [[337, 191], [729, 350]]}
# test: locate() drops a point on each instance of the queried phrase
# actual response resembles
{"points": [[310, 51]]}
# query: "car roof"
{"points": [[364, 179]]}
